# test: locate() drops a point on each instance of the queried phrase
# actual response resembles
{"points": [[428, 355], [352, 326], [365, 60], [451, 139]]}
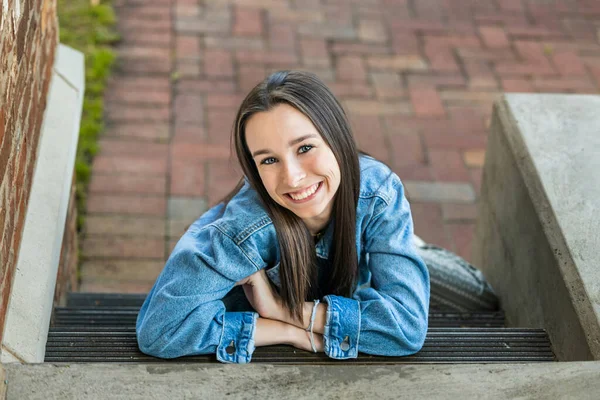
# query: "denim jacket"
{"points": [[184, 313]]}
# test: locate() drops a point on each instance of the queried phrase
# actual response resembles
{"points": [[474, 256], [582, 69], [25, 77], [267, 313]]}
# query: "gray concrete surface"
{"points": [[537, 235], [32, 293], [579, 380]]}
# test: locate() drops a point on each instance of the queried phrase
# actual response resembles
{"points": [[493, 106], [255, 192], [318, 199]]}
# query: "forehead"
{"points": [[277, 127]]}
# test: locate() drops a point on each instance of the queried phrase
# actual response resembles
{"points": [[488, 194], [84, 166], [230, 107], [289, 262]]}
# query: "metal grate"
{"points": [[443, 345], [98, 327], [126, 317]]}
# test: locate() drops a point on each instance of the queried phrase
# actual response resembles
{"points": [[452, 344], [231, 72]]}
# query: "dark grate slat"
{"points": [[126, 316], [96, 327], [442, 345]]}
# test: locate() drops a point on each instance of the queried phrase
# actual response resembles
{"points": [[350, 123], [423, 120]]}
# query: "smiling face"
{"points": [[295, 164]]}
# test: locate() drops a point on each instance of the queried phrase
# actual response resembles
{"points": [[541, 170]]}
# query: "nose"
{"points": [[293, 173]]}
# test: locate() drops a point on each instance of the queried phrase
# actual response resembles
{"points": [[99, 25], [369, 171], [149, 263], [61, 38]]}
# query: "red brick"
{"points": [[218, 63], [350, 90], [112, 246], [341, 48], [451, 80], [158, 131], [448, 166], [141, 25], [517, 85], [124, 225], [314, 52], [222, 178], [205, 85], [457, 140], [247, 21], [568, 63], [271, 58], [415, 172], [511, 5], [282, 37], [131, 113], [250, 76], [372, 31], [199, 151], [189, 108], [462, 237], [428, 224], [459, 212], [126, 204], [370, 137], [228, 101], [111, 147], [114, 286], [595, 71], [188, 47], [149, 52], [530, 32], [407, 149], [140, 272], [404, 43], [188, 68], [530, 51], [157, 39], [133, 165], [476, 176], [426, 102], [127, 184], [220, 125], [440, 58], [137, 83], [562, 85], [351, 68], [388, 85], [187, 178], [141, 65], [480, 75], [509, 69], [146, 97], [189, 133]]}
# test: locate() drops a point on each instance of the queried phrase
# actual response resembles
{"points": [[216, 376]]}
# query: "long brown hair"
{"points": [[298, 272]]}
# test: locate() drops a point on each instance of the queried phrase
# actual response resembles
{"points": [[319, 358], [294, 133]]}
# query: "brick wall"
{"points": [[28, 39]]}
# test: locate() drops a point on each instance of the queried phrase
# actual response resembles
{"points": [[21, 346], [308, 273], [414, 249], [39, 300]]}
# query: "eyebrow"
{"points": [[290, 144]]}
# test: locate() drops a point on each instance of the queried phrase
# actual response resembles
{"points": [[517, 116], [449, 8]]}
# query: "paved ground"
{"points": [[418, 78]]}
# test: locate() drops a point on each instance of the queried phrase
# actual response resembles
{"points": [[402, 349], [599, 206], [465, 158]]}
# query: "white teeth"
{"points": [[306, 193]]}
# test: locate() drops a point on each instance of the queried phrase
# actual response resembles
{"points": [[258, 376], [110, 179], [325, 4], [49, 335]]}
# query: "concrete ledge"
{"points": [[538, 229], [579, 380], [30, 303]]}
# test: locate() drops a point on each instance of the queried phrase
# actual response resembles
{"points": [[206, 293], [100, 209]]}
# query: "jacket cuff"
{"points": [[342, 327], [237, 340]]}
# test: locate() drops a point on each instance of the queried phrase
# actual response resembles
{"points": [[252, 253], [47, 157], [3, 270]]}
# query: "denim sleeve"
{"points": [[183, 313], [389, 316]]}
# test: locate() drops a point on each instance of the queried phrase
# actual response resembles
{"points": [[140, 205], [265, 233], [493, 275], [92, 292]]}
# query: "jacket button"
{"points": [[230, 349], [345, 345]]}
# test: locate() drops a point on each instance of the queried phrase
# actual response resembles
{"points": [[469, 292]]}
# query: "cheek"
{"points": [[270, 183]]}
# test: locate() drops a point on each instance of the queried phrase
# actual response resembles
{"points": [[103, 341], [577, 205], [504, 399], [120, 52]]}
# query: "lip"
{"points": [[309, 198]]}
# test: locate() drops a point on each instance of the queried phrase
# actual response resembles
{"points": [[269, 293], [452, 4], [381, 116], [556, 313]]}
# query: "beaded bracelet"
{"points": [[310, 326]]}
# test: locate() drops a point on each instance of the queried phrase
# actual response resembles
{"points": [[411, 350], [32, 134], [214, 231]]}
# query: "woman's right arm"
{"points": [[183, 313]]}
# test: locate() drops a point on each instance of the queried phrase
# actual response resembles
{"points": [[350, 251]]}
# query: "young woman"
{"points": [[317, 238]]}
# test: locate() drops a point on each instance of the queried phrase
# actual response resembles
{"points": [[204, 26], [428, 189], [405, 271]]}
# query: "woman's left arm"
{"points": [[389, 316]]}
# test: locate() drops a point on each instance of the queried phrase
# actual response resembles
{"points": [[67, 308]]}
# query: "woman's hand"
{"points": [[263, 297]]}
